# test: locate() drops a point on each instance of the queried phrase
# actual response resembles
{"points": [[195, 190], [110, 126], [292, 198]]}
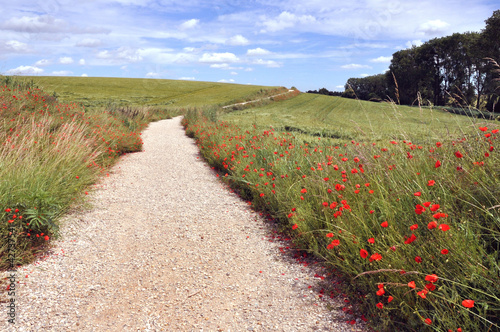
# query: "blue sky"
{"points": [[308, 44]]}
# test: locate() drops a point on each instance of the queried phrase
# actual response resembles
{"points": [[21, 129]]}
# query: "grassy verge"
{"points": [[409, 211]]}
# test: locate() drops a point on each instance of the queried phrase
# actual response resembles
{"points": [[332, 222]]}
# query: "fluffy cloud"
{"points": [[267, 63], [187, 78], [122, 54], [382, 59], [66, 60], [219, 58], [25, 70], [226, 81], [152, 75], [237, 40], [17, 46], [286, 20], [81, 62], [36, 24], [43, 62], [189, 24], [417, 43], [257, 52], [433, 27]]}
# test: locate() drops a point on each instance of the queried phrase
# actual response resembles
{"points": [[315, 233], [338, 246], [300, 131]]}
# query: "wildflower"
{"points": [[363, 253], [444, 227], [381, 292], [431, 278], [468, 303], [428, 321], [295, 226], [384, 224], [46, 237], [410, 239], [435, 207], [418, 193], [419, 209], [329, 235], [375, 257], [423, 293], [418, 259], [439, 144], [430, 183], [303, 190], [371, 240], [444, 251], [411, 284], [438, 164], [430, 286], [389, 299], [458, 154], [413, 227], [380, 305], [483, 128], [432, 225]]}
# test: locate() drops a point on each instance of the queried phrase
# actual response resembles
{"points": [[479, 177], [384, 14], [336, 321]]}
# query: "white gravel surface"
{"points": [[166, 247]]}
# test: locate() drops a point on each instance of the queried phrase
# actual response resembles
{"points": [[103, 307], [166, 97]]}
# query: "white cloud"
{"points": [[257, 52], [17, 46], [233, 73], [25, 70], [354, 66], [152, 75], [340, 87], [81, 62], [187, 78], [189, 49], [189, 24], [62, 73], [89, 42], [85, 75], [219, 58], [286, 20], [267, 63], [43, 62], [364, 75], [237, 40], [248, 69], [120, 55], [37, 24], [433, 27], [417, 43], [382, 59], [226, 81], [66, 60]]}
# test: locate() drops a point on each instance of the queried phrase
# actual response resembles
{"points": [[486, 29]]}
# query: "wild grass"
{"points": [[52, 151], [404, 202]]}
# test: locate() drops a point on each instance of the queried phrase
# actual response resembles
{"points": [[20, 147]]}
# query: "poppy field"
{"points": [[407, 212], [53, 151]]}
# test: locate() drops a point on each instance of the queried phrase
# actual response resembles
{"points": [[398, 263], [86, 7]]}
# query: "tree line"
{"points": [[456, 70]]}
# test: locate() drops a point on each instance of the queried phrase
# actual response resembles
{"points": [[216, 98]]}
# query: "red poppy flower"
{"points": [[438, 164], [418, 259], [413, 227], [411, 284], [423, 293], [444, 251], [468, 303], [389, 299], [430, 287], [435, 207], [428, 321], [371, 240], [295, 226], [419, 209], [430, 183], [380, 305], [384, 224], [432, 225], [458, 154], [335, 243], [380, 292], [444, 227], [439, 144], [303, 190], [375, 257], [363, 253], [431, 278], [329, 235], [418, 193], [410, 239], [483, 128]]}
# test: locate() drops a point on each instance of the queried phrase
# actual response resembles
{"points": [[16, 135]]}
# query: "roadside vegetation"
{"points": [[52, 150], [404, 202]]}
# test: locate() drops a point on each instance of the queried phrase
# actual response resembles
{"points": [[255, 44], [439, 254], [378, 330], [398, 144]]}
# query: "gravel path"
{"points": [[166, 247]]}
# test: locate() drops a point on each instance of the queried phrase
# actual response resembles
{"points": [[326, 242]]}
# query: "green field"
{"points": [[349, 119], [99, 91]]}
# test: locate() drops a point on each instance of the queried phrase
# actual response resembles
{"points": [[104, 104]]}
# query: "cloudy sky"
{"points": [[308, 44]]}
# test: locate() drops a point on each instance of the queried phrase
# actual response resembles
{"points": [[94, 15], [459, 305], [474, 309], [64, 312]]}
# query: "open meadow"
{"points": [[403, 202]]}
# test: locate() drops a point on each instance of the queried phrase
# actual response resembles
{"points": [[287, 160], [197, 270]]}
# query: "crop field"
{"points": [[348, 119], [99, 91]]}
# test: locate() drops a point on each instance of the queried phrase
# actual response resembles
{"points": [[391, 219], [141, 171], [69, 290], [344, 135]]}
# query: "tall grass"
{"points": [[50, 153], [414, 226]]}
